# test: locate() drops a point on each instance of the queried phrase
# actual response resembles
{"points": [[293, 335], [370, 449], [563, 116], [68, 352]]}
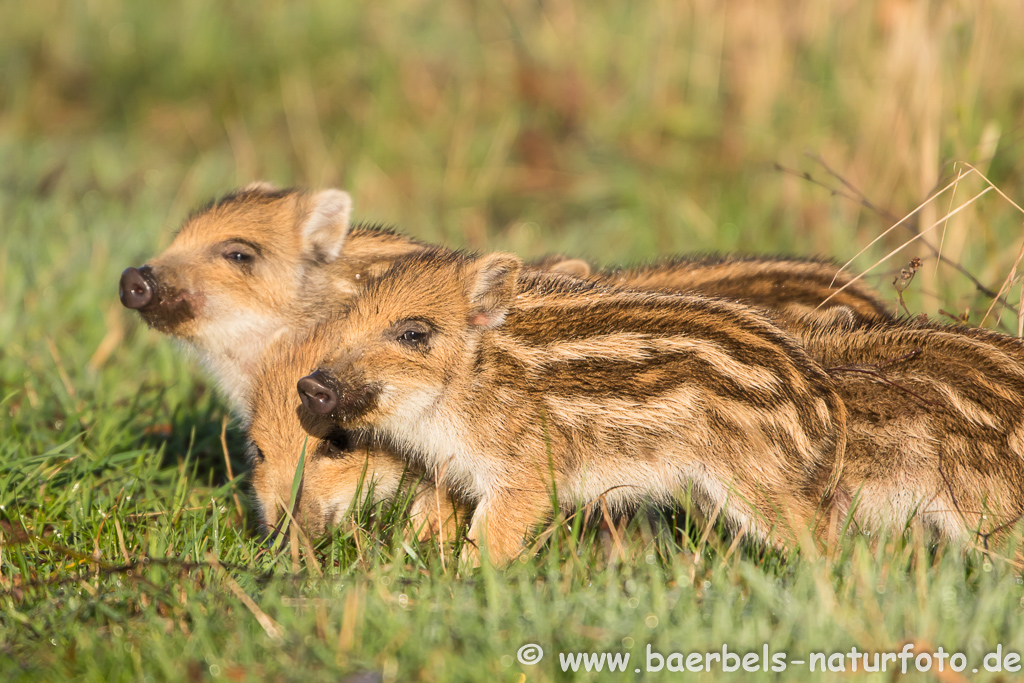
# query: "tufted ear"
{"points": [[492, 288], [326, 224], [837, 318], [261, 186], [571, 266]]}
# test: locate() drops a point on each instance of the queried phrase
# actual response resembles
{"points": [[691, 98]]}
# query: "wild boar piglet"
{"points": [[514, 387], [257, 263], [935, 424], [340, 468]]}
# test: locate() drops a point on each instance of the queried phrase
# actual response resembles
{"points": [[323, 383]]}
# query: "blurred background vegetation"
{"points": [[616, 131], [612, 130], [623, 130]]}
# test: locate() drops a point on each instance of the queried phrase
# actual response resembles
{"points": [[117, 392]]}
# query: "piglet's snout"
{"points": [[318, 392], [137, 289], [322, 394]]}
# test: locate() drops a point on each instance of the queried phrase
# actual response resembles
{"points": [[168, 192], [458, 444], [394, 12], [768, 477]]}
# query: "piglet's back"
{"points": [[789, 287], [935, 424], [580, 343]]}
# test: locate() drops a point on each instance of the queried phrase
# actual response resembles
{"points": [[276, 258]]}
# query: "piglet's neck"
{"points": [[234, 367]]}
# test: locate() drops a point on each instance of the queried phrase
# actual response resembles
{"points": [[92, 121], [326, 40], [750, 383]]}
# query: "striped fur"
{"points": [[788, 287], [299, 275], [935, 425], [541, 381]]}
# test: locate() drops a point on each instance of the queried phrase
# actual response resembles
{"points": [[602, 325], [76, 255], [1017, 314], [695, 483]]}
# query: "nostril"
{"points": [[136, 289], [316, 395]]}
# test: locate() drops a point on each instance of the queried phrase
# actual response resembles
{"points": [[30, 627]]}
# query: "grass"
{"points": [[609, 130]]}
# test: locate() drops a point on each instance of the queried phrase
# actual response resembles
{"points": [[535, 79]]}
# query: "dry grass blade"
{"points": [[619, 550], [706, 534], [945, 224], [853, 194], [905, 244], [65, 379], [347, 632], [120, 541], [1005, 287], [994, 187], [227, 462], [900, 222], [437, 502], [306, 545], [1007, 283], [271, 627], [1020, 318], [111, 340]]}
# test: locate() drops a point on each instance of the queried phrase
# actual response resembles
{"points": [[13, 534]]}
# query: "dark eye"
{"points": [[239, 257], [336, 444], [413, 333], [413, 337]]}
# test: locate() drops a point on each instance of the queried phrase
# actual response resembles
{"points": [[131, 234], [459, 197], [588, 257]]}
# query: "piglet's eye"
{"points": [[413, 333], [413, 337], [239, 257]]}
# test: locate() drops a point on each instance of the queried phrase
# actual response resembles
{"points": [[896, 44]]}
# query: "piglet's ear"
{"points": [[326, 224], [492, 288], [261, 186], [571, 266]]}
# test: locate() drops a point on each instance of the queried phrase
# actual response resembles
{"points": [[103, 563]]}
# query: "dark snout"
{"points": [[318, 393], [322, 394], [138, 288]]}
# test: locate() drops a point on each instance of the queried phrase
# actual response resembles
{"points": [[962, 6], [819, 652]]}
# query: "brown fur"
{"points": [[545, 380], [337, 467], [228, 310], [790, 288], [935, 425]]}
